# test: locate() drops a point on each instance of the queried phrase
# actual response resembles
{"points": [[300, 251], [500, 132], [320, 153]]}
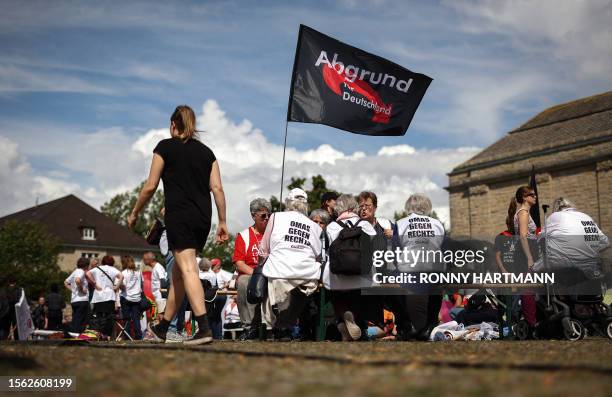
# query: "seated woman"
{"points": [[573, 245], [290, 247], [417, 313], [353, 309]]}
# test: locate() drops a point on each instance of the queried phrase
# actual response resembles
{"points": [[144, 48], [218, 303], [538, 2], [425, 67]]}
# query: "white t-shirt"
{"points": [[223, 278], [132, 280], [292, 243], [573, 239], [157, 275], [420, 233], [77, 295], [210, 276], [107, 293], [340, 282]]}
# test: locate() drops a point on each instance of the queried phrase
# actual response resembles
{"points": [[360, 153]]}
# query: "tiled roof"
{"points": [[66, 217], [579, 122]]}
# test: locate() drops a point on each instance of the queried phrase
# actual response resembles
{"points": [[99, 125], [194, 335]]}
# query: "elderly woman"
{"points": [[290, 247], [353, 310], [368, 204], [417, 313], [322, 218], [573, 240], [246, 257]]}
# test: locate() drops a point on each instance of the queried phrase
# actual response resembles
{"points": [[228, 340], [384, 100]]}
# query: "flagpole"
{"points": [[283, 166]]}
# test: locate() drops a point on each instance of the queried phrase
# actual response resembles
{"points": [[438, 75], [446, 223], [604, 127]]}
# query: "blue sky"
{"points": [[81, 83]]}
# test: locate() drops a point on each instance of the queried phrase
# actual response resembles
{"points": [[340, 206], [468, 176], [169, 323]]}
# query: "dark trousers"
{"points": [[55, 320], [365, 308], [103, 317], [288, 311], [130, 311], [414, 313], [79, 316], [309, 318], [476, 316], [214, 316], [6, 323]]}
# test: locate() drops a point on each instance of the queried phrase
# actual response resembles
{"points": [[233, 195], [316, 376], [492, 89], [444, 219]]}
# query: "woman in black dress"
{"points": [[190, 172]]}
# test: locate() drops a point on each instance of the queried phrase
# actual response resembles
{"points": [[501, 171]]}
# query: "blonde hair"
{"points": [[418, 204], [127, 262], [184, 120]]}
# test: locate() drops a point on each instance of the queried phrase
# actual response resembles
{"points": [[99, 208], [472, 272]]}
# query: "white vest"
{"points": [[573, 239], [294, 246], [420, 233]]}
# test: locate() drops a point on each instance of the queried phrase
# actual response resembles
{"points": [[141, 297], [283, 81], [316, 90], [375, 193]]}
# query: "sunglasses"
{"points": [[530, 195], [263, 216]]}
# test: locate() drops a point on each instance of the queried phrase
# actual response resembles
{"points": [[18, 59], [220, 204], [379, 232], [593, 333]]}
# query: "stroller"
{"points": [[593, 313], [570, 315]]}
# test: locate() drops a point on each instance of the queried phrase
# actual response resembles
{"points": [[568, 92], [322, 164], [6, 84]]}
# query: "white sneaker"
{"points": [[200, 338], [175, 337], [344, 332], [352, 328]]}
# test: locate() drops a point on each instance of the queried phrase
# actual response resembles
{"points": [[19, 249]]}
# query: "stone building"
{"points": [[570, 146], [82, 231]]}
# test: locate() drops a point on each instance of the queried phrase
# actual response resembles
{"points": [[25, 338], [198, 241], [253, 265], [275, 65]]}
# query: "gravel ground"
{"points": [[534, 368]]}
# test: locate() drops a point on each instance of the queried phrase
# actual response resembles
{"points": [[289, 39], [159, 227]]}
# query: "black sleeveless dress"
{"points": [[186, 178]]}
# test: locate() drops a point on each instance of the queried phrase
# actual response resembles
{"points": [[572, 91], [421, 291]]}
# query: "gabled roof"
{"points": [[67, 216], [577, 123]]}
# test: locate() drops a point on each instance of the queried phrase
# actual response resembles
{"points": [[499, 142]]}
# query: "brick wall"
{"points": [[479, 199]]}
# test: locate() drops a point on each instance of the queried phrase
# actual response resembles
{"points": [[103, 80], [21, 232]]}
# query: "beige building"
{"points": [[83, 231], [570, 146]]}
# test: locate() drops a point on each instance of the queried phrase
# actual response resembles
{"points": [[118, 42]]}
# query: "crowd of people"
{"points": [[299, 254]]}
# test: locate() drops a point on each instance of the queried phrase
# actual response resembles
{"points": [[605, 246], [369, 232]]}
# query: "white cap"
{"points": [[297, 193]]}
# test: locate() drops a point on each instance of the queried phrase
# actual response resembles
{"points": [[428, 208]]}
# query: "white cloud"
{"points": [[397, 149], [21, 188], [250, 166], [577, 33]]}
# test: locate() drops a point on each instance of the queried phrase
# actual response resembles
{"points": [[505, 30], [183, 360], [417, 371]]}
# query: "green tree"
{"points": [[319, 186], [224, 251], [29, 254], [119, 207]]}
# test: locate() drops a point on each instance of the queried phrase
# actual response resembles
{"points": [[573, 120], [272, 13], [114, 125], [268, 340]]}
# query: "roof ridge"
{"points": [[48, 205], [573, 104], [521, 129]]}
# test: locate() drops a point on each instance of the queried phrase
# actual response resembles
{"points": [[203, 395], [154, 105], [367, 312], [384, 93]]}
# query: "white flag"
{"points": [[24, 319]]}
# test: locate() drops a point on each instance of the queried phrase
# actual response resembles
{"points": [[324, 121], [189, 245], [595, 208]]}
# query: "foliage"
{"points": [[397, 215], [319, 186], [224, 252], [120, 206], [29, 254]]}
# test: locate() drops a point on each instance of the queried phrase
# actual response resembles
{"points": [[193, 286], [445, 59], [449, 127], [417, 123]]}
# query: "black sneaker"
{"points": [[155, 334], [200, 338], [249, 334], [283, 335]]}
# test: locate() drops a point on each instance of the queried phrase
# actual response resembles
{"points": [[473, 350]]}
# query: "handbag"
{"points": [[257, 290], [144, 304], [155, 232]]}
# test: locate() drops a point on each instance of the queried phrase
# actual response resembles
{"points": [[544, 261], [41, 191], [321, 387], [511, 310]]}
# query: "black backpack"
{"points": [[350, 254]]}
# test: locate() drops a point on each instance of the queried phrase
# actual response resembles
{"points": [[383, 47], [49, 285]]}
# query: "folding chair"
{"points": [[120, 323], [233, 331]]}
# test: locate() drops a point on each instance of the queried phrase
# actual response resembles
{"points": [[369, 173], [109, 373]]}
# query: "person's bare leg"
{"points": [[185, 260], [176, 294]]}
